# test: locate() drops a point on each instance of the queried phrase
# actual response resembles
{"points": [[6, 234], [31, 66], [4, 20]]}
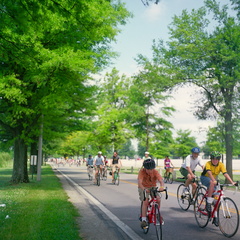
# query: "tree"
{"points": [[207, 54], [111, 126], [184, 143], [147, 99], [48, 50]]}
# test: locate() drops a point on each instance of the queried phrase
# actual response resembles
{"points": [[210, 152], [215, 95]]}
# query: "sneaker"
{"points": [[215, 221], [144, 224], [162, 221], [186, 192], [209, 207]]}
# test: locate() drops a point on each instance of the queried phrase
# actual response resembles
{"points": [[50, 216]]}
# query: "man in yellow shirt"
{"points": [[209, 177]]}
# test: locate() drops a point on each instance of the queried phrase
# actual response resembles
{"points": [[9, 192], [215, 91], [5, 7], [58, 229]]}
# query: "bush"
{"points": [[5, 159]]}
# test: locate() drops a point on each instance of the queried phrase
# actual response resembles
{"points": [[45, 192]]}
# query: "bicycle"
{"points": [[98, 175], [153, 212], [168, 175], [185, 196], [90, 172], [104, 176], [225, 207], [116, 177]]}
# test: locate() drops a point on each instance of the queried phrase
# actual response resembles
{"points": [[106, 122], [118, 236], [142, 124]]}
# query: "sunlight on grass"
{"points": [[37, 210]]}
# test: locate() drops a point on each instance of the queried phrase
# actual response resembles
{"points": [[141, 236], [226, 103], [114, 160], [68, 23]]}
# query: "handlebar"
{"points": [[154, 191]]}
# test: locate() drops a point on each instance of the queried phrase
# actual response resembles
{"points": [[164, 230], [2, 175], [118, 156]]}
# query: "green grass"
{"points": [[37, 210]]}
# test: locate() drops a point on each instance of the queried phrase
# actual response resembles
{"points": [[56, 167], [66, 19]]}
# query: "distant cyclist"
{"points": [[116, 163], [188, 167], [98, 164], [209, 178], [147, 156], [89, 162], [148, 177], [167, 164]]}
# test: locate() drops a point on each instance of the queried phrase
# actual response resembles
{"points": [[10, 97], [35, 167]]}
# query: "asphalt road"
{"points": [[110, 211]]}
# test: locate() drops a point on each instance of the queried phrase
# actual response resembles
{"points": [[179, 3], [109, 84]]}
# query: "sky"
{"points": [[137, 35]]}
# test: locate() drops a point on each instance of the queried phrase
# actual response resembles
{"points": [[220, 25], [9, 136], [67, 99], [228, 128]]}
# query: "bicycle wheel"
{"points": [[145, 229], [165, 179], [183, 199], [200, 212], [117, 179], [98, 179], [228, 217], [170, 178], [158, 222]]}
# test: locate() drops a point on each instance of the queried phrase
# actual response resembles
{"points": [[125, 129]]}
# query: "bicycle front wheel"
{"points": [[158, 222], [118, 179], [170, 178], [228, 217], [183, 199], [98, 179], [200, 212]]}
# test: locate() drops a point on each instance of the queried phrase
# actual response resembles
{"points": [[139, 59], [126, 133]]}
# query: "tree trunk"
{"points": [[229, 143], [20, 172]]}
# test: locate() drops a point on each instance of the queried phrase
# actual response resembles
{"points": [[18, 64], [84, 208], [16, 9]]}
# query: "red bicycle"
{"points": [[224, 212], [153, 212]]}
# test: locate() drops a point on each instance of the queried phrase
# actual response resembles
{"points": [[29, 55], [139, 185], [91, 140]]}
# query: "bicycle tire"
{"points": [[145, 230], [165, 178], [98, 179], [170, 178], [105, 175], [158, 222], [118, 179], [183, 200], [200, 212], [228, 217]]}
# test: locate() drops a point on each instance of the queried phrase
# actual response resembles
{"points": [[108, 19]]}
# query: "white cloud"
{"points": [[154, 12]]}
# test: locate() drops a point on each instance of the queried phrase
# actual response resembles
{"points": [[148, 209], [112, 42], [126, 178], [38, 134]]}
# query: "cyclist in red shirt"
{"points": [[148, 177]]}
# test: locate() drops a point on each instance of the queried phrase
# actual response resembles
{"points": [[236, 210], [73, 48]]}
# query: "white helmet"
{"points": [[146, 152], [99, 152]]}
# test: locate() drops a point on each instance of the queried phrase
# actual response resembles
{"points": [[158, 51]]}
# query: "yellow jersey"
{"points": [[214, 169]]}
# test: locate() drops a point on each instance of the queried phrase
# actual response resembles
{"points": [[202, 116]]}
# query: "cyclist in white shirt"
{"points": [[98, 164], [188, 167]]}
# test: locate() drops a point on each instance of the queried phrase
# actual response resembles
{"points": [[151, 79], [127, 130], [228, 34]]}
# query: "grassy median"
{"points": [[37, 210]]}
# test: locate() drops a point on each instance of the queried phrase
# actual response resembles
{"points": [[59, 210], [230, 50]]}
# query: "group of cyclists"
{"points": [[101, 163], [149, 177]]}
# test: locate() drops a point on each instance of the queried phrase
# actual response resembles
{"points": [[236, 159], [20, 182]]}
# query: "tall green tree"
{"points": [[206, 53], [48, 49], [148, 100], [111, 126]]}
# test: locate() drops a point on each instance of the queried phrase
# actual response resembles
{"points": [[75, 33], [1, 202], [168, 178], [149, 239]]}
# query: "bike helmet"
{"points": [[99, 152], [216, 155], [147, 153], [195, 150], [149, 164]]}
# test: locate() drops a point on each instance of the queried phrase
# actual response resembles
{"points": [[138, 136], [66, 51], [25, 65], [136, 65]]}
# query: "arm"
{"points": [[228, 178]]}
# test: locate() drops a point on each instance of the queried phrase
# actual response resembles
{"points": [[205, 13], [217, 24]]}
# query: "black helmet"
{"points": [[149, 164], [216, 155]]}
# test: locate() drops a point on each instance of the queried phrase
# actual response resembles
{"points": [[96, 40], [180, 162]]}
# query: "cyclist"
{"points": [[188, 168], [98, 164], [209, 176], [116, 163], [89, 162], [148, 177], [167, 165], [105, 165], [146, 156]]}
